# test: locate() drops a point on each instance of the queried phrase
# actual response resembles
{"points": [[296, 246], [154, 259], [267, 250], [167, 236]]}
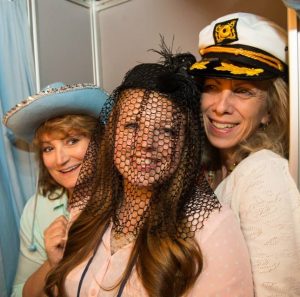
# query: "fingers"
{"points": [[57, 228], [55, 238]]}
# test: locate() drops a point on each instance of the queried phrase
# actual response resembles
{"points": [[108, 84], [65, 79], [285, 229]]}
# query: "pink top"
{"points": [[226, 272]]}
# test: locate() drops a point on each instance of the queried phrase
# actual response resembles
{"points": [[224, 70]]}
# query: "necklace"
{"points": [[214, 177], [231, 168], [211, 177], [119, 240]]}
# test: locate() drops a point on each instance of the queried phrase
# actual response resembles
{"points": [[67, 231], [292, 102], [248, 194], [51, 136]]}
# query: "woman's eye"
{"points": [[244, 92], [131, 126], [47, 149], [168, 131], [209, 88], [73, 140]]}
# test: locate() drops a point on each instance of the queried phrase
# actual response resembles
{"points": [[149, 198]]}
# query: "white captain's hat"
{"points": [[242, 46]]}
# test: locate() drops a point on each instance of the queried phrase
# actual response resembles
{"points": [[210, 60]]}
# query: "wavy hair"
{"points": [[59, 127], [166, 265], [273, 136], [167, 258]]}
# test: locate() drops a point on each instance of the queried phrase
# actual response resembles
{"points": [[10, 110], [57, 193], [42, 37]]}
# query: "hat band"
{"points": [[271, 61]]}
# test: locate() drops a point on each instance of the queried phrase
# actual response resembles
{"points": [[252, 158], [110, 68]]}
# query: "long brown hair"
{"points": [[165, 253], [168, 265]]}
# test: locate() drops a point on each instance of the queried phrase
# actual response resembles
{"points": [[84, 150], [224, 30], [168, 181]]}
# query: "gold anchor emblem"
{"points": [[225, 32]]}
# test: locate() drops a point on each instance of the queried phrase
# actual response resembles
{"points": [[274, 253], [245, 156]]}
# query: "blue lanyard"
{"points": [[124, 281], [84, 273], [122, 286]]}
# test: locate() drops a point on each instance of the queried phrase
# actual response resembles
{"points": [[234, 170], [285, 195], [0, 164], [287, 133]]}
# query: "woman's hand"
{"points": [[55, 237]]}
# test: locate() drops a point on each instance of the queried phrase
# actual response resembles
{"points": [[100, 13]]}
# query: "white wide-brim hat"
{"points": [[242, 46], [55, 100]]}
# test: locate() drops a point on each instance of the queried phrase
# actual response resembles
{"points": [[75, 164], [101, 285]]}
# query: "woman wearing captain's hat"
{"points": [[59, 121], [243, 75]]}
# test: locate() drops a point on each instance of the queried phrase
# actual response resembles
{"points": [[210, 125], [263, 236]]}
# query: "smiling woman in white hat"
{"points": [[59, 121], [243, 76]]}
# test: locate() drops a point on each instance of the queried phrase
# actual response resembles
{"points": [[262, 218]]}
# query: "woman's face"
{"points": [[233, 110], [149, 138], [63, 157]]}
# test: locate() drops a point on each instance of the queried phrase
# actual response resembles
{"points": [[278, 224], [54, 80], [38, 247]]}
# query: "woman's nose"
{"points": [[147, 138], [223, 102], [62, 156]]}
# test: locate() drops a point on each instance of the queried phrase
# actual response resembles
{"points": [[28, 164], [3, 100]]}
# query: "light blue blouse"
{"points": [[33, 234]]}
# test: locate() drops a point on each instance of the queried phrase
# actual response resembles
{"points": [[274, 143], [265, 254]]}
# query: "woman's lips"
{"points": [[222, 125], [146, 164], [69, 169], [220, 129]]}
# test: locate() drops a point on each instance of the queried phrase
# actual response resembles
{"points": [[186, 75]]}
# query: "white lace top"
{"points": [[266, 201]]}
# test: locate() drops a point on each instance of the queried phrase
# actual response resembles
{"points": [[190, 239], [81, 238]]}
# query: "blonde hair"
{"points": [[273, 136], [60, 127]]}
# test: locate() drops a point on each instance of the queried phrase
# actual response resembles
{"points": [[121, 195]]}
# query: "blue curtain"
{"points": [[16, 162]]}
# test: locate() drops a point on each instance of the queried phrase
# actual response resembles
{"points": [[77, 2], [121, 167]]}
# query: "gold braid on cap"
{"points": [[233, 69], [239, 70], [271, 61]]}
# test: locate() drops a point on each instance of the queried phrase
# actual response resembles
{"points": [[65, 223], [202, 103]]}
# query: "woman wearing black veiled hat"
{"points": [[152, 225]]}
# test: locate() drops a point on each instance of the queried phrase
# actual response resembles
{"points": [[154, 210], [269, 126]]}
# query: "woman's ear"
{"points": [[265, 119]]}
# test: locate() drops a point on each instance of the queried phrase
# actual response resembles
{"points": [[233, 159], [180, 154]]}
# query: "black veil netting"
{"points": [[143, 169]]}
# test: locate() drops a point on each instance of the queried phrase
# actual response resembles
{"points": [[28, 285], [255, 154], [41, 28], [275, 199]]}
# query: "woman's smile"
{"points": [[232, 110]]}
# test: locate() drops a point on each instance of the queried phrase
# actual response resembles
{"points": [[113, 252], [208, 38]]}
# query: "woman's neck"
{"points": [[215, 177], [134, 193], [69, 193], [135, 202], [228, 162]]}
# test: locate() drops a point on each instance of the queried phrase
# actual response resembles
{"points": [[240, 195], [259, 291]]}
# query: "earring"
{"points": [[265, 126]]}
